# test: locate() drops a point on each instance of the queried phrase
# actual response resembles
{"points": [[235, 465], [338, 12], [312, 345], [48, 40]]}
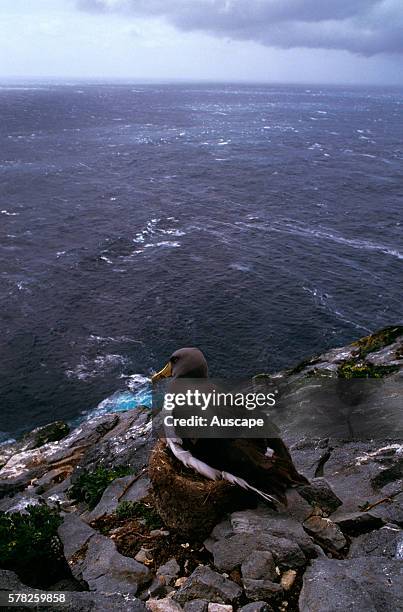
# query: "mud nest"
{"points": [[186, 501]]}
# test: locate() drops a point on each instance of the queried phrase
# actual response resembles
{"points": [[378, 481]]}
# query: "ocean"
{"points": [[261, 223]]}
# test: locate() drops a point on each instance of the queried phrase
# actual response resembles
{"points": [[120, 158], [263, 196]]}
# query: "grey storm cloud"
{"points": [[366, 27]]}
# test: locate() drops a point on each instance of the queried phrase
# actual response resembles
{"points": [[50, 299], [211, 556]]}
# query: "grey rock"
{"points": [[9, 581], [278, 524], [327, 533], [94, 560], [75, 600], [117, 492], [34, 439], [216, 607], [20, 502], [144, 554], [57, 494], [128, 444], [385, 542], [204, 583], [262, 589], [366, 583], [52, 432], [223, 529], [351, 471], [308, 455], [170, 570], [25, 465], [256, 606], [74, 534], [197, 605], [386, 355], [318, 493], [157, 588], [391, 473], [104, 569], [390, 511], [98, 602], [231, 552], [259, 566], [355, 523], [66, 584], [138, 490]]}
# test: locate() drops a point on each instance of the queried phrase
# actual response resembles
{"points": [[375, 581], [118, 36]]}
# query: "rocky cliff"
{"points": [[77, 512]]}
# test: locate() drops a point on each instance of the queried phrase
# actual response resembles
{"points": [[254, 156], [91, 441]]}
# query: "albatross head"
{"points": [[184, 363]]}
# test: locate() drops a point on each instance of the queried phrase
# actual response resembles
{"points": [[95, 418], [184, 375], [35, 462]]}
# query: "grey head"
{"points": [[188, 362]]}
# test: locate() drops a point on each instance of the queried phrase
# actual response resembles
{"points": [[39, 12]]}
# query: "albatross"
{"points": [[263, 466]]}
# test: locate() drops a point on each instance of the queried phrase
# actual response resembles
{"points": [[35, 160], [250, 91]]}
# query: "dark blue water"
{"points": [[260, 223]]}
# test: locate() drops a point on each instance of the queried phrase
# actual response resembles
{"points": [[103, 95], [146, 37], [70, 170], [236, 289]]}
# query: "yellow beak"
{"points": [[166, 372]]}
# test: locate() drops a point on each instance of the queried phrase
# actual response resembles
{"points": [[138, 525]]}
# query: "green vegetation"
{"points": [[46, 433], [89, 486], [354, 369], [377, 341], [29, 544], [139, 510]]}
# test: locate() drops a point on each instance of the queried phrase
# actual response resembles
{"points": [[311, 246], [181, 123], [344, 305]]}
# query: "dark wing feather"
{"points": [[246, 458]]}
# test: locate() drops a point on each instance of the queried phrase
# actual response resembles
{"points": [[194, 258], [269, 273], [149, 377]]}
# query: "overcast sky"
{"points": [[330, 41]]}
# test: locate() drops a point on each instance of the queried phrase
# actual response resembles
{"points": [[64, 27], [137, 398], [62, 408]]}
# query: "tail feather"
{"points": [[190, 460], [245, 485]]}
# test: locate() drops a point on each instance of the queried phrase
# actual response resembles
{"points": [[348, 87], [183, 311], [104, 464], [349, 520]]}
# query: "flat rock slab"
{"points": [[270, 522], [234, 550], [357, 471], [363, 584], [79, 601], [355, 523], [94, 560], [204, 583], [262, 589], [384, 542]]}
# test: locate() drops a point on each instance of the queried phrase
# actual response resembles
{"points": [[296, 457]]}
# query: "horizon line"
{"points": [[190, 81]]}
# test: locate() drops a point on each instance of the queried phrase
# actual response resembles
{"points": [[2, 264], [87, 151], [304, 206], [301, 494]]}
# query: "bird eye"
{"points": [[174, 358]]}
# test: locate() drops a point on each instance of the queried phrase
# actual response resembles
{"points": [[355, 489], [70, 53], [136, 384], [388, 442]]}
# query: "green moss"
{"points": [[139, 510], [89, 486], [359, 369], [377, 341], [29, 544]]}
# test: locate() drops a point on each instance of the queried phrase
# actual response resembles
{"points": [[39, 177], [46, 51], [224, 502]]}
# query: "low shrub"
{"points": [[89, 486], [29, 544], [139, 510]]}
